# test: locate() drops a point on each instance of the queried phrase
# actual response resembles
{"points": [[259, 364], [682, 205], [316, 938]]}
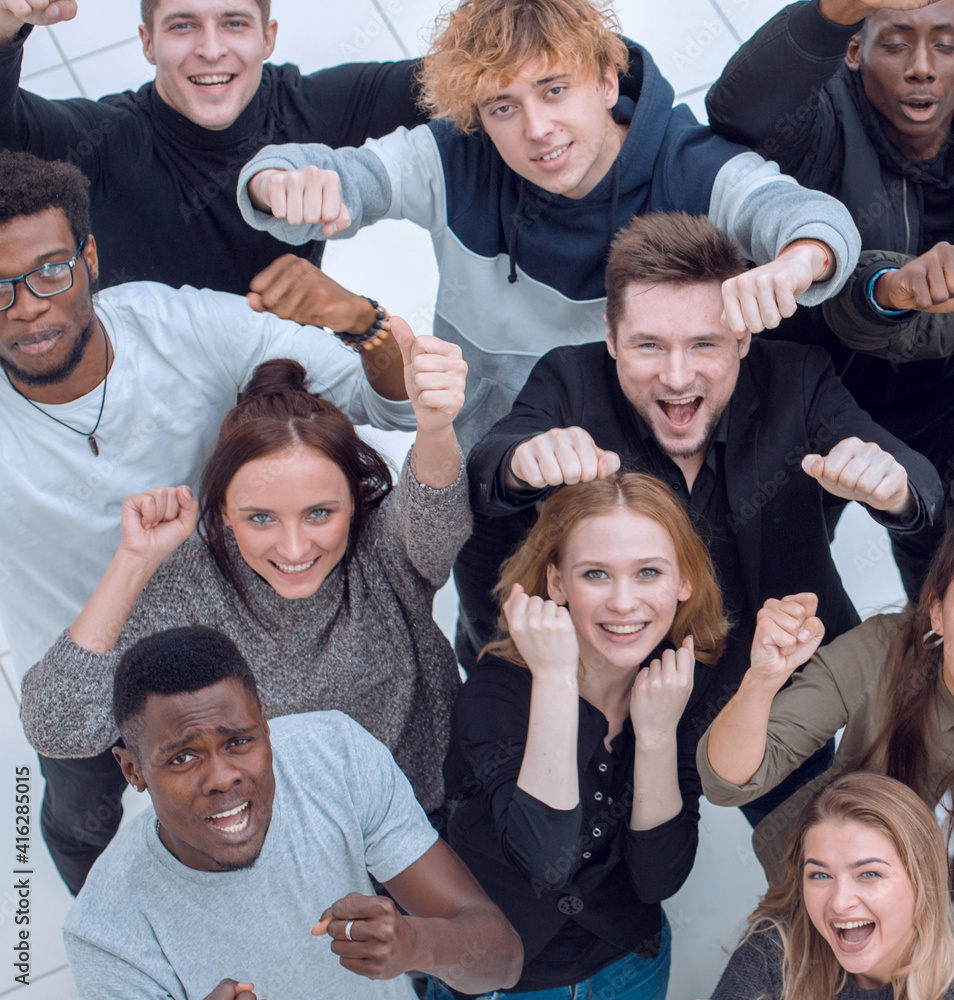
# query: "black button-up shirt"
{"points": [[708, 506], [581, 888]]}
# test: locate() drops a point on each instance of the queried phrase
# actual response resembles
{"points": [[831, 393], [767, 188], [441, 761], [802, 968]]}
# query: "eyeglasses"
{"points": [[44, 281]]}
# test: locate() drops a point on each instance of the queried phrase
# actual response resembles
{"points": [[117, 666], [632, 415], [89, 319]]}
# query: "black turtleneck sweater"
{"points": [[163, 188]]}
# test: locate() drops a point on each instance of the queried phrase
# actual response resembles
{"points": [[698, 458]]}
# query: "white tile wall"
{"points": [[747, 16], [690, 49], [97, 54]]}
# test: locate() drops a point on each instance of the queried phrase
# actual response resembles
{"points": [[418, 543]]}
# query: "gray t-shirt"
{"points": [[147, 926]]}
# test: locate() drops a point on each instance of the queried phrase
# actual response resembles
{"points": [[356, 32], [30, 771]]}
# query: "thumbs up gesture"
{"points": [[435, 374]]}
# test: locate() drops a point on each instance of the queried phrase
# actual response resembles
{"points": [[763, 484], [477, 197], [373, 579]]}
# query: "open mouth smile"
{"points": [[291, 569], [625, 631], [552, 156], [212, 80], [231, 821], [680, 411], [853, 935]]}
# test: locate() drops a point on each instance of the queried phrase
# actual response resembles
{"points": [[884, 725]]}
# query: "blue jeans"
{"points": [[631, 978]]}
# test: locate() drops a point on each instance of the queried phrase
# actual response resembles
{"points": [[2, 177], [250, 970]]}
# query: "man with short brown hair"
{"points": [[757, 439]]}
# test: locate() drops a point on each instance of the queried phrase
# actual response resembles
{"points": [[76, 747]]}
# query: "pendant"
{"points": [[93, 446]]}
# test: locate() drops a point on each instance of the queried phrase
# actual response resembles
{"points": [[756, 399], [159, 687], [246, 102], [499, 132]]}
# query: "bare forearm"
{"points": [[435, 458], [98, 625], [475, 952], [384, 368], [549, 769], [656, 795], [737, 736], [9, 27]]}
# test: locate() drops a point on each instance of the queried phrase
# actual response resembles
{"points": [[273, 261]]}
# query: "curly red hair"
{"points": [[483, 45]]}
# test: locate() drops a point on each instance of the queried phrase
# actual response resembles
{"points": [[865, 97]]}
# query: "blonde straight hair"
{"points": [[810, 970]]}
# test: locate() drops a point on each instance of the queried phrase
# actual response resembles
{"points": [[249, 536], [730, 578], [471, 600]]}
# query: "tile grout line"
{"points": [[694, 90], [728, 23], [72, 73], [76, 59], [387, 20], [6, 677], [35, 979]]}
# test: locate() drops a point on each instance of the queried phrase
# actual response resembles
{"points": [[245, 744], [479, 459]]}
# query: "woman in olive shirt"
{"points": [[889, 682]]}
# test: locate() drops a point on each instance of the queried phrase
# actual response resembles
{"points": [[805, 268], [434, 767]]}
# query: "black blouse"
{"points": [[581, 888]]}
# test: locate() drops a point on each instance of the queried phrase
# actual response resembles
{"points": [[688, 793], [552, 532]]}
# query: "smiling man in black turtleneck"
{"points": [[163, 160]]}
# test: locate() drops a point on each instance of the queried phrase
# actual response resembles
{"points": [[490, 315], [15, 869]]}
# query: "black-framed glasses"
{"points": [[44, 281]]}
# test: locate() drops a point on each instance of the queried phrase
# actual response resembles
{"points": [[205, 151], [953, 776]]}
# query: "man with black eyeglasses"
{"points": [[107, 395]]}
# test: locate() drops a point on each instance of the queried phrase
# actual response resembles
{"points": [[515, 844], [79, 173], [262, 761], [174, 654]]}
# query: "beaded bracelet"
{"points": [[375, 334]]}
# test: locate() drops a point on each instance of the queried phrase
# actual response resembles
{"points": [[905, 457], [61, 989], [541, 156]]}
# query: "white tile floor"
{"points": [[99, 53]]}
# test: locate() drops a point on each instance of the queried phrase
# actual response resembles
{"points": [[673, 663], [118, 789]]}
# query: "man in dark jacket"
{"points": [[918, 292], [856, 99], [163, 160], [758, 439]]}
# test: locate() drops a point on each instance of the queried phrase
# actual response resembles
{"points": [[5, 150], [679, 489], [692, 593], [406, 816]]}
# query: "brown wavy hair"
{"points": [[810, 970], [276, 412], [483, 45], [701, 616], [910, 686]]}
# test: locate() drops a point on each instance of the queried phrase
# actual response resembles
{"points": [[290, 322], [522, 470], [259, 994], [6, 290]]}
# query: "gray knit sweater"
{"points": [[754, 972], [384, 661]]}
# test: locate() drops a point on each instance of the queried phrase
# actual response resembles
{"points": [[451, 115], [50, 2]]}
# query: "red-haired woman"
{"points": [[307, 558], [572, 793]]}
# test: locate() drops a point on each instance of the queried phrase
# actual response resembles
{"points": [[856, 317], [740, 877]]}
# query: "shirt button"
{"points": [[597, 832], [586, 854], [598, 796], [602, 768], [570, 905], [675, 486]]}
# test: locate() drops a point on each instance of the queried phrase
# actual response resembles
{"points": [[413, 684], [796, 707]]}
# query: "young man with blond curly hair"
{"points": [[551, 132]]}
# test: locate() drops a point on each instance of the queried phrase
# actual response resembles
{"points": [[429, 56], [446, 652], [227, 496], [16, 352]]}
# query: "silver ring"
{"points": [[348, 927]]}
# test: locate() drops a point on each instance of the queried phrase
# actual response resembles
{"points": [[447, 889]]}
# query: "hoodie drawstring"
{"points": [[514, 231], [518, 214]]}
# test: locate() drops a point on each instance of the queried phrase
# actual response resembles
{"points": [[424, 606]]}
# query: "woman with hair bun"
{"points": [[863, 910], [572, 791], [320, 571]]}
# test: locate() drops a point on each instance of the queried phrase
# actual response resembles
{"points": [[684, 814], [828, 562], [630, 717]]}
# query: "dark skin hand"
{"points": [[293, 288], [852, 11], [451, 930], [229, 989], [383, 939], [925, 283]]}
